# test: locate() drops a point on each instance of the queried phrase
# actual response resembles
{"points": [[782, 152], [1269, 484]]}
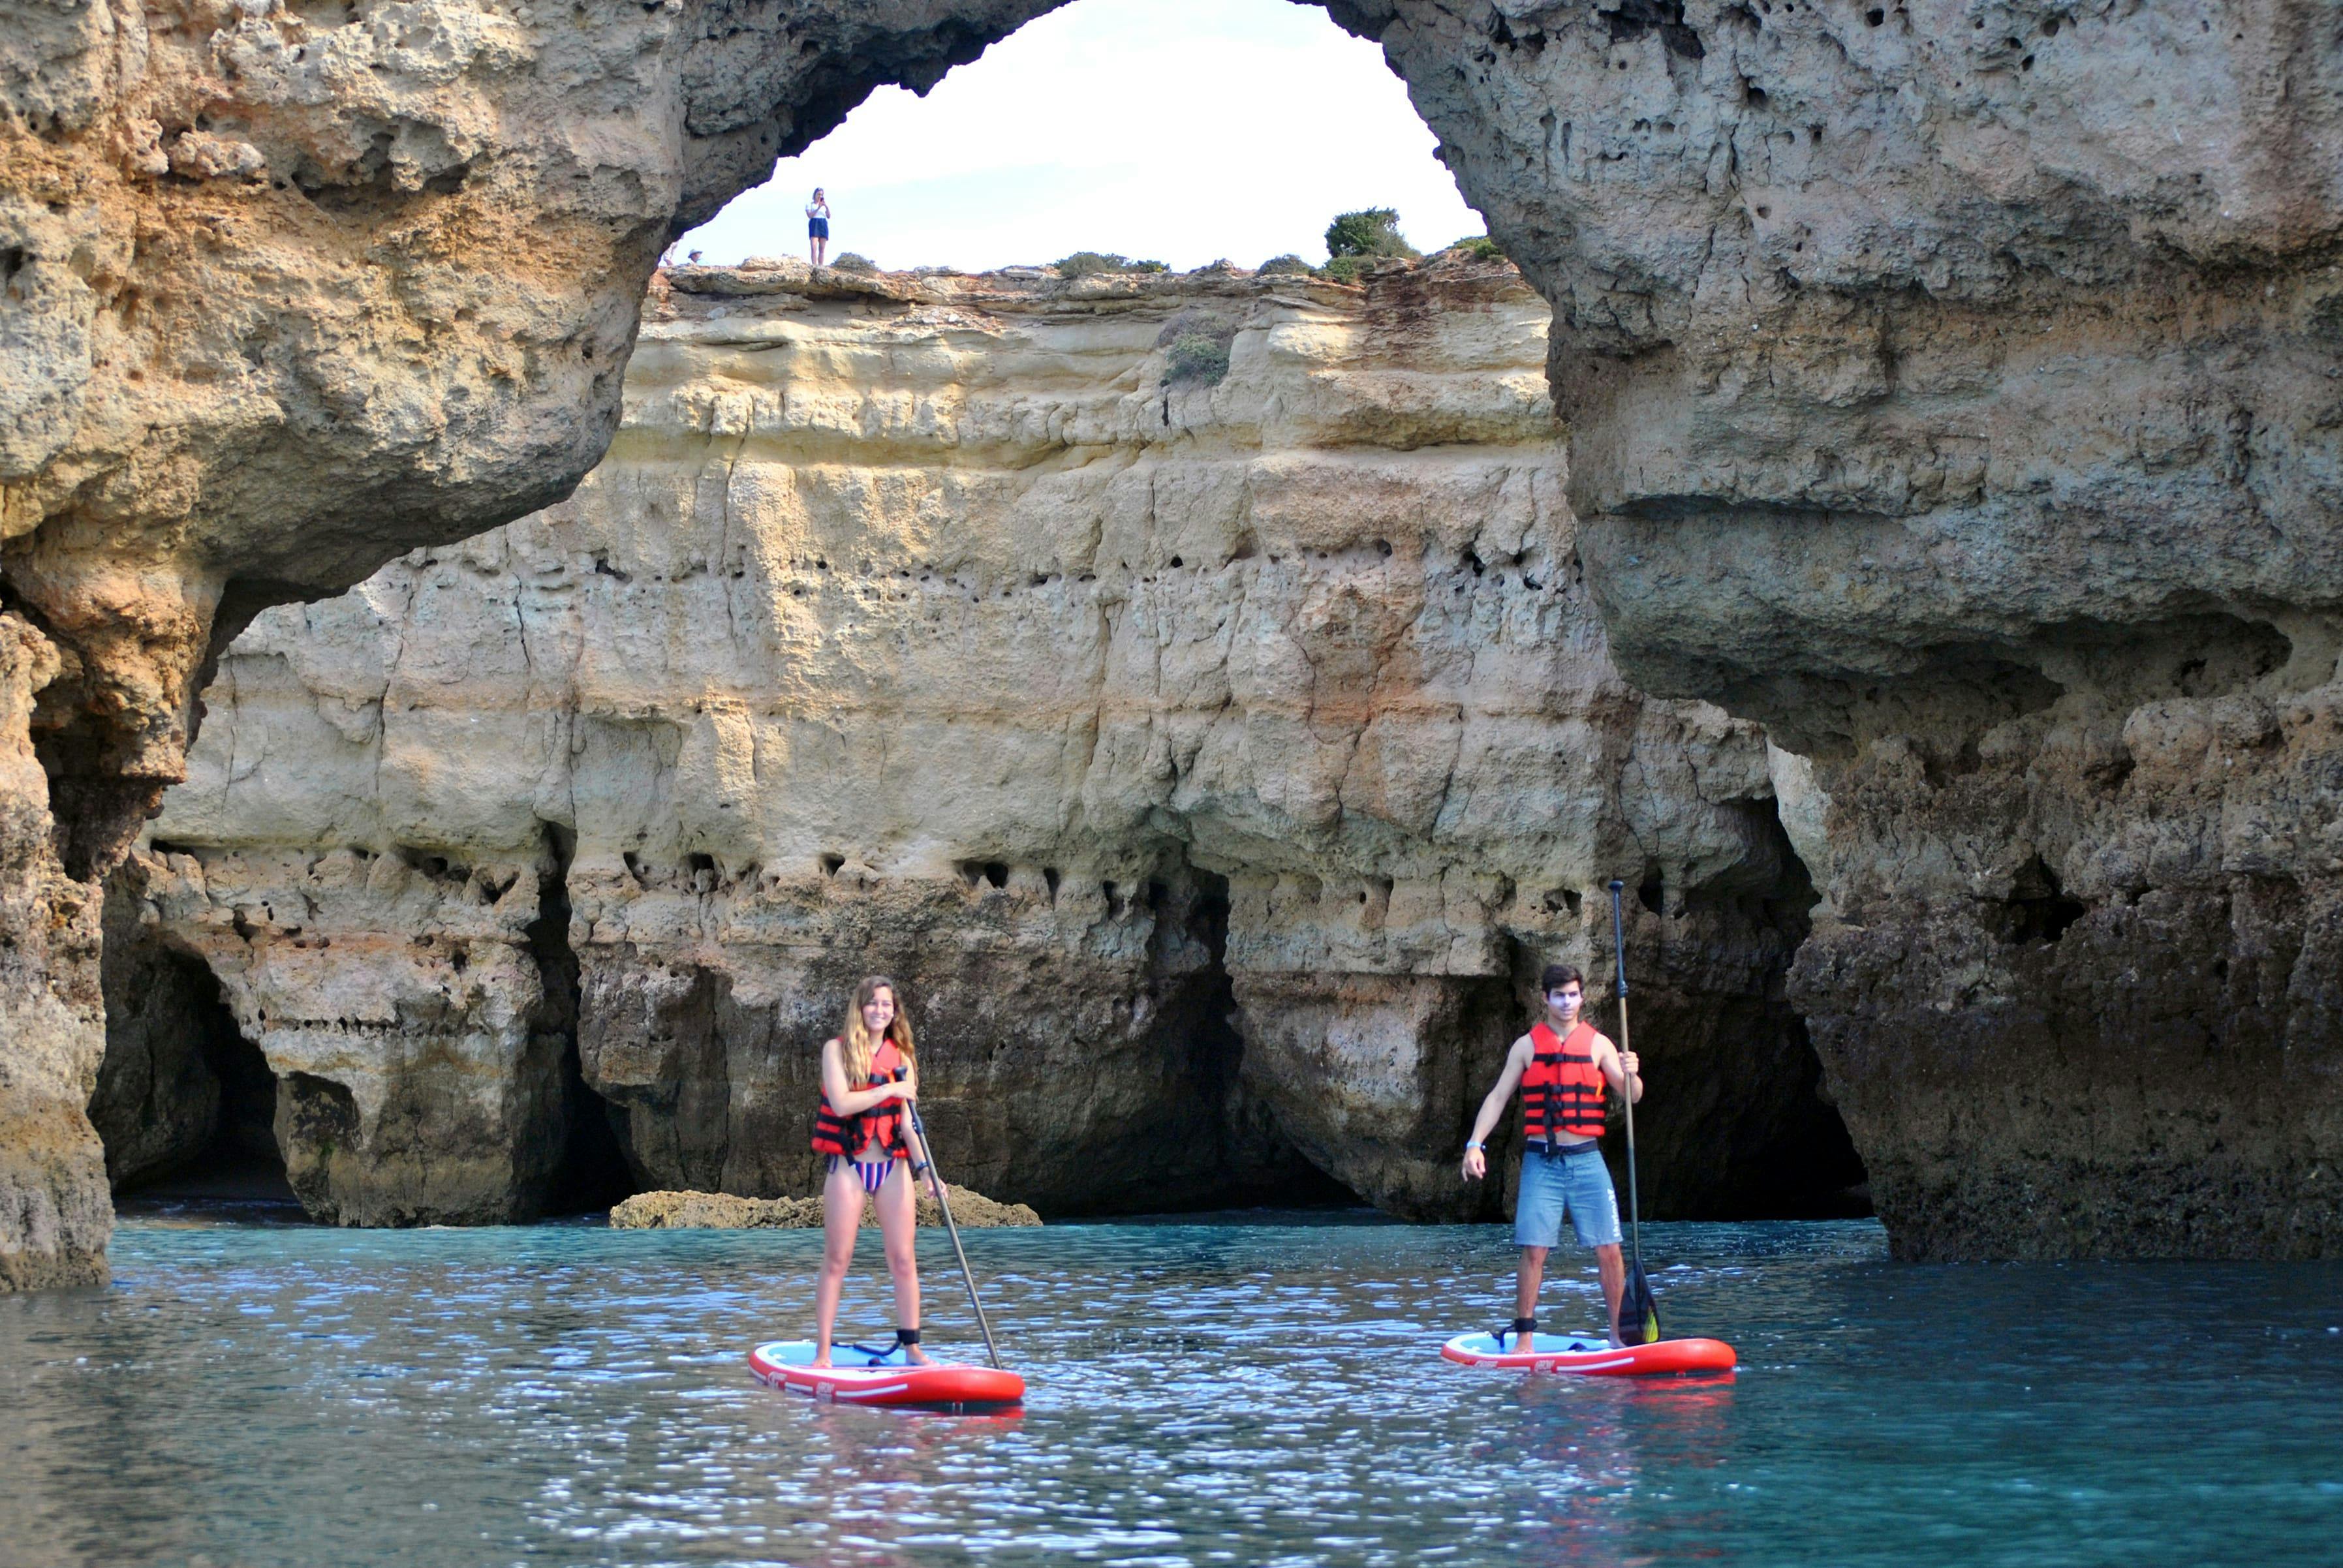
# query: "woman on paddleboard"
{"points": [[868, 1074], [1562, 1067]]}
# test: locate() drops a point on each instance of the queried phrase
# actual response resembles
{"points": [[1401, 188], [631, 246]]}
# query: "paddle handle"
{"points": [[936, 1179], [1627, 1090]]}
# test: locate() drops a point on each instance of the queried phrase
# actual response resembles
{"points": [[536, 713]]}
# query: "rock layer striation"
{"points": [[1212, 760], [1953, 388], [1948, 387]]}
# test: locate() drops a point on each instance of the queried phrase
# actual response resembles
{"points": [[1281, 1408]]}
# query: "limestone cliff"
{"points": [[941, 626], [286, 291], [1949, 387], [1953, 387]]}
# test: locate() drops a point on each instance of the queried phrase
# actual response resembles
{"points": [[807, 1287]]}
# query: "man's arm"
{"points": [[1618, 1067], [1517, 1060]]}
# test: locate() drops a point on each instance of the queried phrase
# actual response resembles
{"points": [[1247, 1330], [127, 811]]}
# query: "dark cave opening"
{"points": [[594, 1173], [2038, 911], [1253, 1165], [1758, 1137], [184, 1105]]}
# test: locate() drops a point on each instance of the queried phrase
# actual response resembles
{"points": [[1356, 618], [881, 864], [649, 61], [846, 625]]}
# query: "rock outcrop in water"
{"points": [[939, 626], [723, 1212], [1948, 387]]}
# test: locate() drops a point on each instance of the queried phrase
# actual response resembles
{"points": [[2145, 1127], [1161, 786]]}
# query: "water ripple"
{"points": [[1248, 1395]]}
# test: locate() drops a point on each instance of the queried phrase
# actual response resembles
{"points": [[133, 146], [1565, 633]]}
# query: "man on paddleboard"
{"points": [[1562, 1065]]}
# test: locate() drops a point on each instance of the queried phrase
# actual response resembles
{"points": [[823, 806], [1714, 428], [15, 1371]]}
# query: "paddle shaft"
{"points": [[936, 1179], [1627, 1090]]}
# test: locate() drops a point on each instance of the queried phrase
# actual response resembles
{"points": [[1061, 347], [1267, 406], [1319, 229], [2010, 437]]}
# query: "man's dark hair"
{"points": [[1557, 976]]}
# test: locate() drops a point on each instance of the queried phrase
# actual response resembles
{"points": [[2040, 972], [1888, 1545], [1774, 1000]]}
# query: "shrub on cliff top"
{"points": [[1371, 231], [1083, 263], [1288, 263], [1479, 247], [854, 261]]}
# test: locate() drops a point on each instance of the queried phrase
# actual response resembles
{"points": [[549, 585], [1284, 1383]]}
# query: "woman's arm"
{"points": [[852, 1102]]}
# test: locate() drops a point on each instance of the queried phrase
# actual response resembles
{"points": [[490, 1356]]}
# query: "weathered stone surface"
{"points": [[284, 292], [54, 1215], [1928, 369], [1953, 388], [925, 628], [724, 1212]]}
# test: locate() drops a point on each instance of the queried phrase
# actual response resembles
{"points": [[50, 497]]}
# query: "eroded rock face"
{"points": [[1212, 762], [1930, 370], [1953, 388], [285, 291]]}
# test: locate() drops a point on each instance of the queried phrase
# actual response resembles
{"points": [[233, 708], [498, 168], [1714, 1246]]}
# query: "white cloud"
{"points": [[1181, 132]]}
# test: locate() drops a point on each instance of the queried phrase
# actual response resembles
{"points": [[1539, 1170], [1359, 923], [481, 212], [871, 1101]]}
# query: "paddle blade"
{"points": [[1639, 1314]]}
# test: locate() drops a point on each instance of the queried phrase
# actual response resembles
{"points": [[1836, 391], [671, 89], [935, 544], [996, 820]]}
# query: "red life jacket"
{"points": [[869, 1134], [1562, 1089]]}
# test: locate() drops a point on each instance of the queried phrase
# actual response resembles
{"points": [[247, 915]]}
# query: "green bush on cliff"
{"points": [[1196, 347], [1083, 263], [1479, 247], [1196, 357], [854, 261], [1371, 231], [1288, 263]]}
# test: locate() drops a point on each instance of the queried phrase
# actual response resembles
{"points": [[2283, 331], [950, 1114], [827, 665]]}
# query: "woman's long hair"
{"points": [[859, 1044]]}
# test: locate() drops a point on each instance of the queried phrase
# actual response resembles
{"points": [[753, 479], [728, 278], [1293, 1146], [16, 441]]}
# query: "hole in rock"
{"points": [[1652, 893], [1759, 1136], [184, 1104], [593, 1171], [2039, 910], [832, 864], [996, 872]]}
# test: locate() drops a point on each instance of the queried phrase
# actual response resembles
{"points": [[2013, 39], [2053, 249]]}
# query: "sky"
{"points": [[1181, 131]]}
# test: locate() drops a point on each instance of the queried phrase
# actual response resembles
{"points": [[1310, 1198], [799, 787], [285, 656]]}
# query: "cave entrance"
{"points": [[594, 1173], [184, 1104]]}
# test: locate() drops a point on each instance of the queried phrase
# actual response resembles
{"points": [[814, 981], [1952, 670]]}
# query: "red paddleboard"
{"points": [[1593, 1357], [858, 1377]]}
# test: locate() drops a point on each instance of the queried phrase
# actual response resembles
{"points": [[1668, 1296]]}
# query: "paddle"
{"points": [[936, 1179], [1639, 1314]]}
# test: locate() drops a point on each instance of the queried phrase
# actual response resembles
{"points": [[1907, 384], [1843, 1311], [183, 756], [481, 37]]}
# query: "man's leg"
{"points": [[1525, 1289], [1613, 1270]]}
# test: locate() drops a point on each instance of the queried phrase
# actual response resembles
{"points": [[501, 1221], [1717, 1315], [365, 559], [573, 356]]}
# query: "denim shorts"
{"points": [[1574, 1182]]}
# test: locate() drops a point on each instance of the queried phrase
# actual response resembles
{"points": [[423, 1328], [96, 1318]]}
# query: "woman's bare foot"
{"points": [[916, 1356]]}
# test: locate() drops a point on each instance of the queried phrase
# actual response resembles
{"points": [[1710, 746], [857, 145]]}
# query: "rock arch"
{"points": [[1912, 295]]}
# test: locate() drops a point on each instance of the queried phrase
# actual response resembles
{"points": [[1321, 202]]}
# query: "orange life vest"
{"points": [[1562, 1089], [869, 1134]]}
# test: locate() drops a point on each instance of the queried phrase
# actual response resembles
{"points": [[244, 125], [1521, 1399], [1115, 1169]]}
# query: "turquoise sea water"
{"points": [[1251, 1393]]}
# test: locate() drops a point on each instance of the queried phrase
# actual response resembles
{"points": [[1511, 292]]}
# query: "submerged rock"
{"points": [[725, 1212]]}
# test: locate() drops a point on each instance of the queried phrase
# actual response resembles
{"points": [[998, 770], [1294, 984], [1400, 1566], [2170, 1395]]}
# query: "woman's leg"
{"points": [[898, 1224], [841, 1217], [820, 248]]}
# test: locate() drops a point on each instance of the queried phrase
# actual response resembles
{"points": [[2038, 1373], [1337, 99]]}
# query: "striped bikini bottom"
{"points": [[872, 1173]]}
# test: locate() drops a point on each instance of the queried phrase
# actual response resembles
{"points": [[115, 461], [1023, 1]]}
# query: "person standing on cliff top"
{"points": [[818, 226], [1562, 1067], [867, 1073]]}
